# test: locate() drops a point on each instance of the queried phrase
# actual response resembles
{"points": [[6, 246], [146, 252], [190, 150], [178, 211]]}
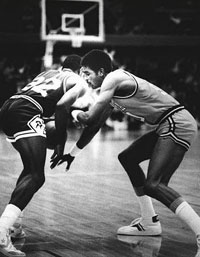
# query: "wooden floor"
{"points": [[78, 213]]}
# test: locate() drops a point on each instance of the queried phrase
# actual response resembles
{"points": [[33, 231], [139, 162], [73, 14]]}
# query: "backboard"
{"points": [[72, 20]]}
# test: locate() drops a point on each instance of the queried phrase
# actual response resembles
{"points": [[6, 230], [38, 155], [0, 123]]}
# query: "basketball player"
{"points": [[22, 120], [164, 147]]}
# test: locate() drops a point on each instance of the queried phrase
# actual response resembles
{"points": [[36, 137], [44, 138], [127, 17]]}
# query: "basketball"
{"points": [[51, 134]]}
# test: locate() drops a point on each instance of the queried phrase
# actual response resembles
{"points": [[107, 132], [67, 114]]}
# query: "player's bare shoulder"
{"points": [[72, 79], [112, 80], [118, 78]]}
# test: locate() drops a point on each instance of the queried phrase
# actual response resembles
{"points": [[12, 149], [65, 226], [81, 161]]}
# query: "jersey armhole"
{"points": [[135, 89]]}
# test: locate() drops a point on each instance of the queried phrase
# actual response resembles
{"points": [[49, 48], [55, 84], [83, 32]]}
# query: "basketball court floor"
{"points": [[77, 213]]}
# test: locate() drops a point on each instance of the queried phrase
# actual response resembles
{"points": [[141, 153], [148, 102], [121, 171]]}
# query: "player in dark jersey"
{"points": [[50, 93], [164, 147]]}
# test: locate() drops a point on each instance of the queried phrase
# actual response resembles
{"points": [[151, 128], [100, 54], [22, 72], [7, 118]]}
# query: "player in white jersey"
{"points": [[164, 147], [22, 120]]}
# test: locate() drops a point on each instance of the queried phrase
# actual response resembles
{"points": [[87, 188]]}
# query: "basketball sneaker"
{"points": [[17, 232], [198, 245], [142, 227], [6, 246]]}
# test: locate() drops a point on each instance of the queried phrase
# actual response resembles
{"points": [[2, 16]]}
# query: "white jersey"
{"points": [[146, 103]]}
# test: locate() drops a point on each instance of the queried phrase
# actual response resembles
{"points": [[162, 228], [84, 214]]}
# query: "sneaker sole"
{"points": [[149, 232], [7, 254]]}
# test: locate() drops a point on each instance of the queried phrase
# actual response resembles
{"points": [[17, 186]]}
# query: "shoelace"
{"points": [[135, 221]]}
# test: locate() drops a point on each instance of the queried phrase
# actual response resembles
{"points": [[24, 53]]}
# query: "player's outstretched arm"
{"points": [[86, 136], [95, 117]]}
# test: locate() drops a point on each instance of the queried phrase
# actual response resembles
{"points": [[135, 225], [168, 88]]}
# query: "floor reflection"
{"points": [[145, 246]]}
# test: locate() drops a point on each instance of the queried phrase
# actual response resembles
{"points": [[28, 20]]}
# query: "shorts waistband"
{"points": [[30, 99], [169, 112]]}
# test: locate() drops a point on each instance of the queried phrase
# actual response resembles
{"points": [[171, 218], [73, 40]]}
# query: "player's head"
{"points": [[95, 65], [73, 62], [97, 59]]}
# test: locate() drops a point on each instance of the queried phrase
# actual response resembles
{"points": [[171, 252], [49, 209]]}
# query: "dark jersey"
{"points": [[48, 88]]}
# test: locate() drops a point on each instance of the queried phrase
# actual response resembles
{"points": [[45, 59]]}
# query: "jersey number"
{"points": [[44, 82]]}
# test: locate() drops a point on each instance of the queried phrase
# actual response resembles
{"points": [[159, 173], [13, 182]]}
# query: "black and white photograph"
{"points": [[99, 128]]}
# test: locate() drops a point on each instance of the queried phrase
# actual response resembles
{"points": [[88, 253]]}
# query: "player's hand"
{"points": [[67, 158], [78, 125], [56, 156], [76, 122]]}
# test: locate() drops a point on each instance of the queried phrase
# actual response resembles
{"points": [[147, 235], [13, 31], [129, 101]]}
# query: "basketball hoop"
{"points": [[76, 37], [73, 15]]}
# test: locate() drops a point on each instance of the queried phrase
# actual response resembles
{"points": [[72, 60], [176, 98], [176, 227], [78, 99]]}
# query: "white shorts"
{"points": [[181, 127]]}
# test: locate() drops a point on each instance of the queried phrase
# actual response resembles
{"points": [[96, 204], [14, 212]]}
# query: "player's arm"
{"points": [[92, 129], [91, 117], [94, 119], [86, 136], [62, 117], [64, 104], [97, 114]]}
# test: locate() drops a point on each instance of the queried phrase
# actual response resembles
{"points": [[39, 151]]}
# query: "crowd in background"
{"points": [[179, 76], [177, 72], [153, 17], [15, 73]]}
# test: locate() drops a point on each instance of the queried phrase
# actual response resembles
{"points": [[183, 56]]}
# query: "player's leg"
{"points": [[33, 153], [166, 158], [16, 231], [130, 159]]}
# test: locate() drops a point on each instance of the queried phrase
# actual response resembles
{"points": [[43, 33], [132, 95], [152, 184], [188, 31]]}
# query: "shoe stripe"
{"points": [[155, 219], [142, 228], [139, 226]]}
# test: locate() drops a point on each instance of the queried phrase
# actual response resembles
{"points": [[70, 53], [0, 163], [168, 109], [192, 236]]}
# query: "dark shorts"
{"points": [[22, 118]]}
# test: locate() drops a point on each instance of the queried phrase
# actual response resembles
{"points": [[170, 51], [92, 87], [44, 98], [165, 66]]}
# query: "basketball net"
{"points": [[76, 37]]}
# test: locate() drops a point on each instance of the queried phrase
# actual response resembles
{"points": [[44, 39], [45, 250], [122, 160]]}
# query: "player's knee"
{"points": [[125, 159], [128, 162], [151, 189], [122, 158], [38, 181]]}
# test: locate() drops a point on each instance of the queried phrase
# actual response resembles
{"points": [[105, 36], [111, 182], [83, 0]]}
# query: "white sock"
{"points": [[185, 212], [146, 206], [9, 216], [19, 219]]}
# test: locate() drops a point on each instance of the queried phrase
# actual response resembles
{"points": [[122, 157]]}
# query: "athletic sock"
{"points": [[146, 207], [9, 216], [186, 213], [20, 219]]}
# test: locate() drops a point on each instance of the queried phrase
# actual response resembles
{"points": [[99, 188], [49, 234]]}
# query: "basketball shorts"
{"points": [[181, 127], [21, 119]]}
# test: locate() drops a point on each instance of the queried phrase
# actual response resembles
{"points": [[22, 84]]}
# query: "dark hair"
{"points": [[73, 62], [96, 59]]}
